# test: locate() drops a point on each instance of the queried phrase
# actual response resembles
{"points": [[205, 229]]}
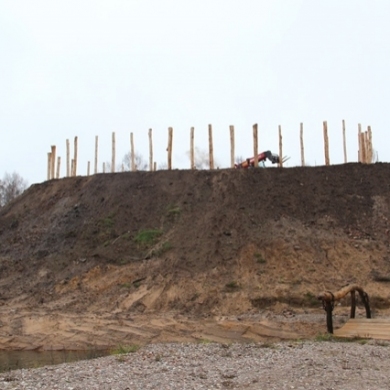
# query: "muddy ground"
{"points": [[138, 257]]}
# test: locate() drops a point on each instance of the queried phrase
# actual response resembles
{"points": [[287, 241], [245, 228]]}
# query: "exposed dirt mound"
{"points": [[197, 244]]}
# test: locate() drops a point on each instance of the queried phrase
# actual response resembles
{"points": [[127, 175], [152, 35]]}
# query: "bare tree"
{"points": [[140, 162], [201, 159], [11, 187]]}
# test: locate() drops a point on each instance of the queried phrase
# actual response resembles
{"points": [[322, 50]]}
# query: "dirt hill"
{"points": [[186, 246]]}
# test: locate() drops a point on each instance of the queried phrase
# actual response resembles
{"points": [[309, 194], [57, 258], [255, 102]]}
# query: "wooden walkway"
{"points": [[372, 328]]}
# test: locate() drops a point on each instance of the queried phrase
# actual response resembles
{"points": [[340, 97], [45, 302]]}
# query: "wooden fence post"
{"points": [[302, 147], [88, 168], [72, 167], [68, 172], [132, 152], [150, 151], [192, 150], [363, 148], [255, 146], [75, 157], [232, 146], [360, 143], [169, 149], [53, 162], [280, 147], [326, 143], [58, 167], [344, 143], [49, 166], [211, 148], [113, 153], [369, 142], [96, 155]]}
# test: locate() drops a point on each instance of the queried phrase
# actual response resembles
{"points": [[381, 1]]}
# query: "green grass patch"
{"points": [[147, 237], [107, 222]]}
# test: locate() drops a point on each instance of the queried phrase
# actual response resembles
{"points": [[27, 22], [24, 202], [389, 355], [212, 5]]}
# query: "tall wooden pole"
{"points": [[150, 151], [75, 157], [53, 162], [363, 148], [370, 149], [360, 154], [49, 166], [232, 146], [68, 171], [280, 147], [211, 148], [72, 167], [132, 156], [344, 143], [302, 147], [58, 167], [255, 146], [326, 143], [192, 150], [113, 153], [169, 149], [88, 168], [96, 155]]}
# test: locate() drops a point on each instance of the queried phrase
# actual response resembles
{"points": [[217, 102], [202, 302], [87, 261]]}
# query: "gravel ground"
{"points": [[289, 365]]}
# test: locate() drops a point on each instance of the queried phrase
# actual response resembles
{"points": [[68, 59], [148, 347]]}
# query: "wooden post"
{"points": [[363, 148], [169, 149], [72, 167], [211, 148], [132, 156], [49, 166], [360, 143], [232, 146], [58, 167], [326, 143], [255, 146], [369, 142], [192, 150], [75, 157], [68, 171], [344, 144], [302, 147], [280, 147], [150, 151], [88, 168], [113, 153], [96, 155], [53, 162]]}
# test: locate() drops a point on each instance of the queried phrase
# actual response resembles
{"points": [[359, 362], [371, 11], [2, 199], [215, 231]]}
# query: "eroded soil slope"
{"points": [[186, 246]]}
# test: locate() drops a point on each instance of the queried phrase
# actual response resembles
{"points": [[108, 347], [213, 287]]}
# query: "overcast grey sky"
{"points": [[85, 68]]}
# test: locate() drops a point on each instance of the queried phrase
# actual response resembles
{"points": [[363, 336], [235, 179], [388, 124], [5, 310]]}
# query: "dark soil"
{"points": [[197, 242]]}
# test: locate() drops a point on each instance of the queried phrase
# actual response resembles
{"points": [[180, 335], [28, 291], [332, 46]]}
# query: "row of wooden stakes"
{"points": [[365, 153]]}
